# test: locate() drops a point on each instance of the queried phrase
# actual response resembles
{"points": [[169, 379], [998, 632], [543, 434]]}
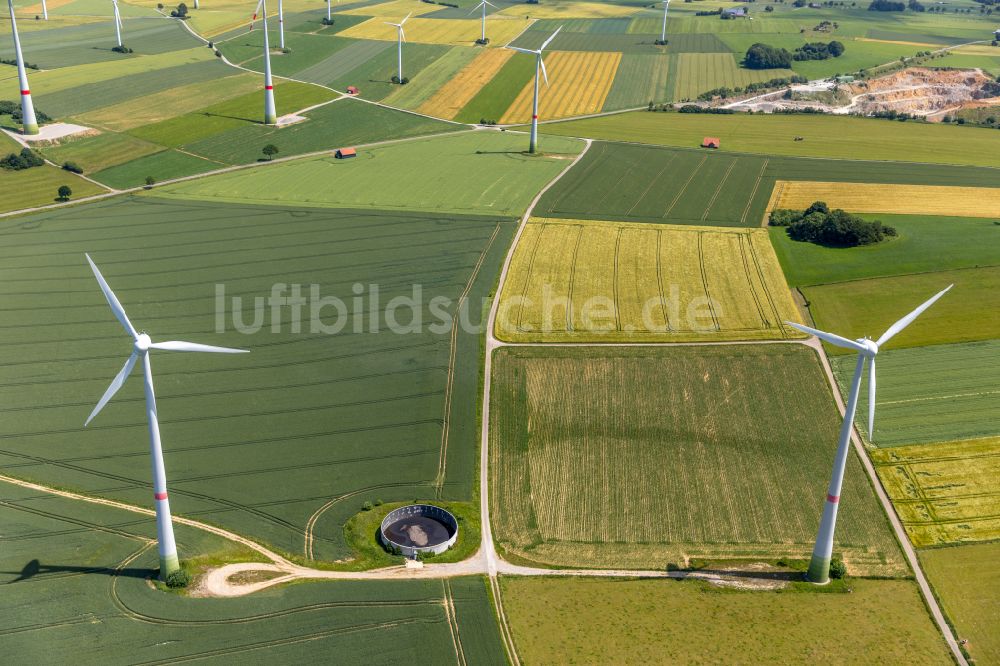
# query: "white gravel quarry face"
{"points": [[50, 132]]}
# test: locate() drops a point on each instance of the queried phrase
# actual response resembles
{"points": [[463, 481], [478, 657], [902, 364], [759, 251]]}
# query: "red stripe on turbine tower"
{"points": [[25, 92], [159, 496], [833, 498], [534, 117], [268, 87]]}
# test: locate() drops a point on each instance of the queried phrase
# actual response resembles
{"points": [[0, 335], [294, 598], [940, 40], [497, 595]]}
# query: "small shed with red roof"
{"points": [[343, 153], [710, 142]]}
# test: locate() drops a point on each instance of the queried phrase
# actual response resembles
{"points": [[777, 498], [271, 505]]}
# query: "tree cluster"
{"points": [[916, 6], [181, 12], [764, 56], [832, 228], [819, 51], [886, 6], [26, 159], [13, 63], [13, 109]]}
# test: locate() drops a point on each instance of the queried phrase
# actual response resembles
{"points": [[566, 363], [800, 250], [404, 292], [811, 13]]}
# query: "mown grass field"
{"points": [[93, 153], [579, 84], [889, 198], [451, 97], [38, 186], [944, 493], [310, 421], [931, 394], [868, 307], [633, 458], [647, 184], [586, 281], [572, 10], [924, 244], [641, 79], [478, 173], [73, 593], [823, 136], [432, 78], [700, 72], [594, 621], [967, 581], [494, 97]]}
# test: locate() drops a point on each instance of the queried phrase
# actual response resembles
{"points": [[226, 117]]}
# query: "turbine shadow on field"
{"points": [[36, 568]]}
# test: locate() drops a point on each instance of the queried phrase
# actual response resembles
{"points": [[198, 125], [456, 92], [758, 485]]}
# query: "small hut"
{"points": [[710, 142], [344, 153]]}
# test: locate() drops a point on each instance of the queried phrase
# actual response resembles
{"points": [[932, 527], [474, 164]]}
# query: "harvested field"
{"points": [[944, 493], [889, 198], [428, 81], [559, 10], [639, 80], [586, 281], [579, 84], [493, 99], [931, 394], [599, 454], [453, 32], [456, 93]]}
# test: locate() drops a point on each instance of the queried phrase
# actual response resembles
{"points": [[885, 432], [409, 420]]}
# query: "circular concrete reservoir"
{"points": [[418, 528]]}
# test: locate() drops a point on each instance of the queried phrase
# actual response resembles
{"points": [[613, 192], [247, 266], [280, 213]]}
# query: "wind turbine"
{"points": [[281, 24], [483, 5], [45, 11], [400, 38], [819, 565], [140, 350], [663, 33], [118, 23], [270, 115], [29, 123], [539, 65]]}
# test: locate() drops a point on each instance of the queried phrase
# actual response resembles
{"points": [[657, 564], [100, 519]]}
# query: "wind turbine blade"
{"points": [[179, 345], [474, 9], [545, 75], [905, 321], [406, 19], [116, 306], [116, 384], [490, 4], [871, 400], [549, 40], [520, 50], [830, 337]]}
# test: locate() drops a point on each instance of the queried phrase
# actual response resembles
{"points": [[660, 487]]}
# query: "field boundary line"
{"points": [[930, 600], [453, 353], [505, 632], [452, 617]]}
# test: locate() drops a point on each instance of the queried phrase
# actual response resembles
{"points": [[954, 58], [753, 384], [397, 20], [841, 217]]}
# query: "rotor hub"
{"points": [[142, 342], [870, 347]]}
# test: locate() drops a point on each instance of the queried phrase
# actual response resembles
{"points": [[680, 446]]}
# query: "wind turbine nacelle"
{"points": [[870, 346]]}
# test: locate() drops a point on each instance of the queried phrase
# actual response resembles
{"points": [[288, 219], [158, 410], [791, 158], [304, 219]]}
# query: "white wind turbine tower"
{"points": [[45, 11], [539, 65], [29, 123], [663, 33], [400, 38], [483, 5], [270, 114], [118, 24], [281, 24], [140, 349], [819, 565]]}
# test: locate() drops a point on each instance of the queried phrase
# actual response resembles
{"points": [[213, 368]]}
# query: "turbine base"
{"points": [[819, 570], [168, 565], [30, 130]]}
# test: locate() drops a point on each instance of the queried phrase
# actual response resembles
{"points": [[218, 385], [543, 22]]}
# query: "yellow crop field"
{"points": [[454, 95], [587, 281], [170, 103], [454, 32], [944, 493], [50, 5], [396, 9], [558, 10], [579, 82], [889, 198]]}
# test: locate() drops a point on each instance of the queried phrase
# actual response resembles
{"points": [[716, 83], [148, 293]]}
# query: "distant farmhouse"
{"points": [[734, 12]]}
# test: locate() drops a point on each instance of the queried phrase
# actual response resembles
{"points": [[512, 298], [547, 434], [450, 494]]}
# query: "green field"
{"points": [[310, 424], [700, 72], [74, 593], [594, 621], [93, 153], [868, 307], [641, 79], [476, 173], [38, 186], [967, 581], [584, 281], [616, 181], [924, 244], [496, 96], [161, 166], [931, 394], [636, 458], [823, 136], [945, 492]]}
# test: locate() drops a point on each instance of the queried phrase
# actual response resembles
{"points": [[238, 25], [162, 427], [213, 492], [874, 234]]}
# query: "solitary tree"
{"points": [[150, 181], [270, 150], [64, 192]]}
